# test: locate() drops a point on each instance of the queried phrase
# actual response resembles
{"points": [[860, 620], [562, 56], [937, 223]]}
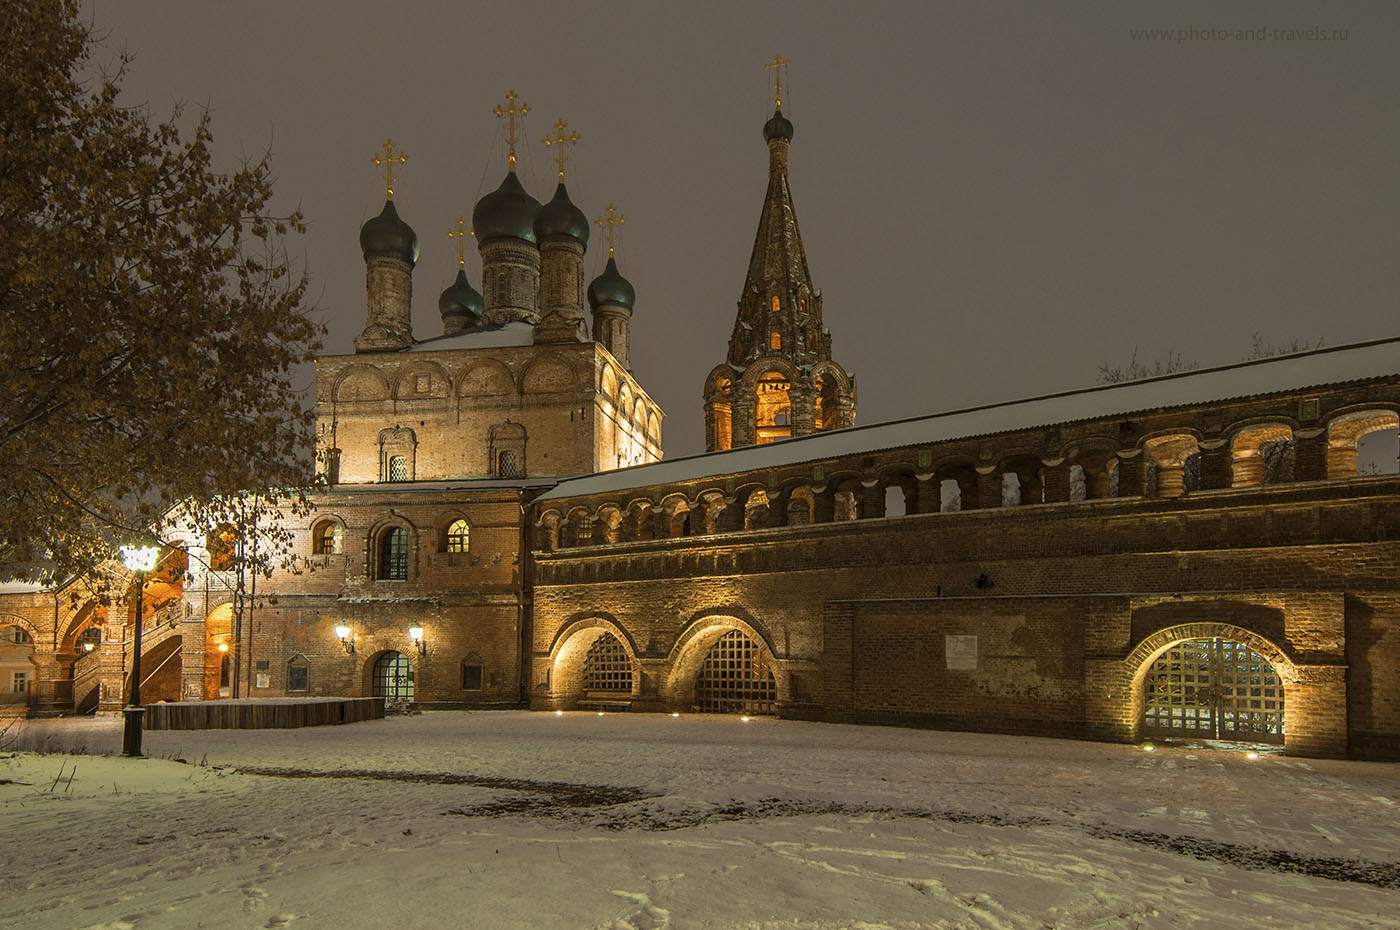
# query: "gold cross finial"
{"points": [[387, 160], [611, 221], [460, 234], [559, 140], [777, 65], [510, 112]]}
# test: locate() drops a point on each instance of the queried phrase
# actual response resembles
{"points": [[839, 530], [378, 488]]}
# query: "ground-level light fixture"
{"points": [[139, 560], [415, 633], [347, 638]]}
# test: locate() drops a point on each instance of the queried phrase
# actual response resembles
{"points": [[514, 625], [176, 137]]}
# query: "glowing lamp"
{"points": [[415, 633], [223, 647], [140, 558], [347, 639]]}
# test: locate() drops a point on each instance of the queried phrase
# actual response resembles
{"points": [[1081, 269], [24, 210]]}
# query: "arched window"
{"points": [[398, 468], [501, 286], [458, 536], [327, 538], [506, 465], [393, 554], [776, 305], [776, 341], [18, 636]]}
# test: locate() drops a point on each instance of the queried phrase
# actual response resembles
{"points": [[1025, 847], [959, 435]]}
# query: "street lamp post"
{"points": [[139, 560]]}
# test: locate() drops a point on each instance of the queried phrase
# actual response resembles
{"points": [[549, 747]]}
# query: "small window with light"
{"points": [[458, 536]]}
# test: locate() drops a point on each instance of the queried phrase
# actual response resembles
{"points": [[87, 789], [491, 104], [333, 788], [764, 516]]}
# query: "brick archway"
{"points": [[688, 657], [567, 657], [1139, 661]]}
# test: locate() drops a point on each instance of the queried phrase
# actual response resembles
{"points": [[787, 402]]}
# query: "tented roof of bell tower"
{"points": [[778, 264]]}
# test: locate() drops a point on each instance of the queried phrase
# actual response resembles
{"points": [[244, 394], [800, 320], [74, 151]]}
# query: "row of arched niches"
{"points": [[1066, 464]]}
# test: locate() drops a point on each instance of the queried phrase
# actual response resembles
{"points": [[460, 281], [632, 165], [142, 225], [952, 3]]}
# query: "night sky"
{"points": [[995, 198]]}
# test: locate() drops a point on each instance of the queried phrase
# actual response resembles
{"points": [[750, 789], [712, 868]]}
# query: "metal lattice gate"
{"points": [[1215, 689], [606, 666], [735, 679]]}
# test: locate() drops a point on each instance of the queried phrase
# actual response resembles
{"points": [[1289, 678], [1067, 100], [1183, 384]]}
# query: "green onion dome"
{"points": [[610, 287], [777, 127], [506, 213], [560, 218], [390, 236], [461, 299]]}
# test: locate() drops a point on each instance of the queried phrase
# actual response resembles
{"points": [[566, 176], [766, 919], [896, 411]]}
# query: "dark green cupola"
{"points": [[460, 305], [611, 287], [388, 236], [508, 212], [560, 218], [777, 127]]}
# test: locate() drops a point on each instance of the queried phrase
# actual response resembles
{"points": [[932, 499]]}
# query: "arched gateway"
{"points": [[1213, 688], [735, 678]]}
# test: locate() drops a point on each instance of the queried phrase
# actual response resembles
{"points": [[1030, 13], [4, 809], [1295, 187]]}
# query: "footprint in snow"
{"points": [[650, 917]]}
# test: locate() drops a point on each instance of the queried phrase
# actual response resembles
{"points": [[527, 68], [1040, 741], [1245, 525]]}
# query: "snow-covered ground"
{"points": [[513, 819]]}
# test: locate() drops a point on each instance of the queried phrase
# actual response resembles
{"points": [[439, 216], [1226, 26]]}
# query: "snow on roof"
{"points": [[517, 333], [1243, 379], [23, 587], [453, 484]]}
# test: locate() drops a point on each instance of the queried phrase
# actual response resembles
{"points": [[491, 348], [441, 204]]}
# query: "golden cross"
{"points": [[611, 221], [460, 234], [777, 65], [510, 112], [387, 161], [559, 140]]}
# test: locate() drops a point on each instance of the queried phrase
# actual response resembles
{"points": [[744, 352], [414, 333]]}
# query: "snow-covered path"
{"points": [[485, 820]]}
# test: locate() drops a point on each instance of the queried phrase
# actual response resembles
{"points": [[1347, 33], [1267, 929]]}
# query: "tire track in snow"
{"points": [[580, 803]]}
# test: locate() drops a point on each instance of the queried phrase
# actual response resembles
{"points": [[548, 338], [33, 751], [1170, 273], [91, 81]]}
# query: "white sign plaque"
{"points": [[960, 652]]}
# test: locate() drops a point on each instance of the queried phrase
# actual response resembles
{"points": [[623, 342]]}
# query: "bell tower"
{"points": [[779, 379]]}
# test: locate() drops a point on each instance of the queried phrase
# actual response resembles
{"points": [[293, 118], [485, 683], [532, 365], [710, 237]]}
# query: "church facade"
{"points": [[1189, 556]]}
